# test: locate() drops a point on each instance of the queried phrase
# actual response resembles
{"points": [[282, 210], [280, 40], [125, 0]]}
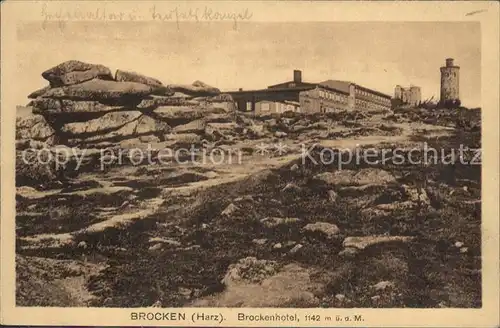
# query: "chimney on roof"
{"points": [[297, 76], [449, 62], [240, 89]]}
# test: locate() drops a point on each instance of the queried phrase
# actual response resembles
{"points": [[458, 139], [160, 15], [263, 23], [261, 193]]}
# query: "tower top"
{"points": [[297, 76], [449, 62]]}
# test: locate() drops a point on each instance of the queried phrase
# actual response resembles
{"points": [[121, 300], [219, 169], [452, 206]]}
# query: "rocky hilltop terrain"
{"points": [[282, 218]]}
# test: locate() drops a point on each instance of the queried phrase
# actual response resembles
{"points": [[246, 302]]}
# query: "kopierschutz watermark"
{"points": [[317, 155]]}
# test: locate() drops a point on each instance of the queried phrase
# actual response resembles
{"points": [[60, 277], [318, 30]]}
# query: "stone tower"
{"points": [[397, 92], [415, 95], [449, 83]]}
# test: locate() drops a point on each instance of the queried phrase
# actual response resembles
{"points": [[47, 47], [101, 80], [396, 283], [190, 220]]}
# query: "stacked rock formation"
{"points": [[84, 104]]}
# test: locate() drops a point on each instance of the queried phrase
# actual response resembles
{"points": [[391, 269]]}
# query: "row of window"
{"points": [[369, 105], [361, 104], [333, 96], [373, 96]]}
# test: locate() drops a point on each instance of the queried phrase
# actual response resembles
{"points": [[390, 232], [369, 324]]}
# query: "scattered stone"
{"points": [[330, 178], [82, 244], [275, 201], [277, 246], [325, 228], [332, 196], [291, 187], [383, 285], [185, 292], [256, 180], [165, 241], [255, 131], [280, 134], [381, 209], [229, 210], [249, 269], [459, 244], [340, 297], [246, 198], [272, 222], [349, 252], [351, 177], [211, 175], [296, 248], [375, 298], [294, 168], [299, 127], [259, 241], [464, 250], [368, 241], [191, 247], [416, 195], [156, 247], [271, 123]]}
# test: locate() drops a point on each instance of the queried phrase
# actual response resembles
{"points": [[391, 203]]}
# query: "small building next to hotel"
{"points": [[299, 96], [268, 106], [411, 96]]}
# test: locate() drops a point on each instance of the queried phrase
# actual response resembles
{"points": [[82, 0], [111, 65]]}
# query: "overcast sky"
{"points": [[377, 55]]}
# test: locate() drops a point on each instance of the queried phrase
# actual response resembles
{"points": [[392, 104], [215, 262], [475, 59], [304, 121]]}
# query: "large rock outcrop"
{"points": [[85, 104], [74, 72]]}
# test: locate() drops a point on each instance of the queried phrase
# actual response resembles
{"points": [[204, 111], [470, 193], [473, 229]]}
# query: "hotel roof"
{"points": [[342, 86], [336, 85]]}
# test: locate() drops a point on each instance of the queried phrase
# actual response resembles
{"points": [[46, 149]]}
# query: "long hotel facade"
{"points": [[326, 96]]}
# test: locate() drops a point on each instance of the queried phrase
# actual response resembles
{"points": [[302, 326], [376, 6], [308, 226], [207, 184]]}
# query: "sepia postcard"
{"points": [[250, 163]]}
